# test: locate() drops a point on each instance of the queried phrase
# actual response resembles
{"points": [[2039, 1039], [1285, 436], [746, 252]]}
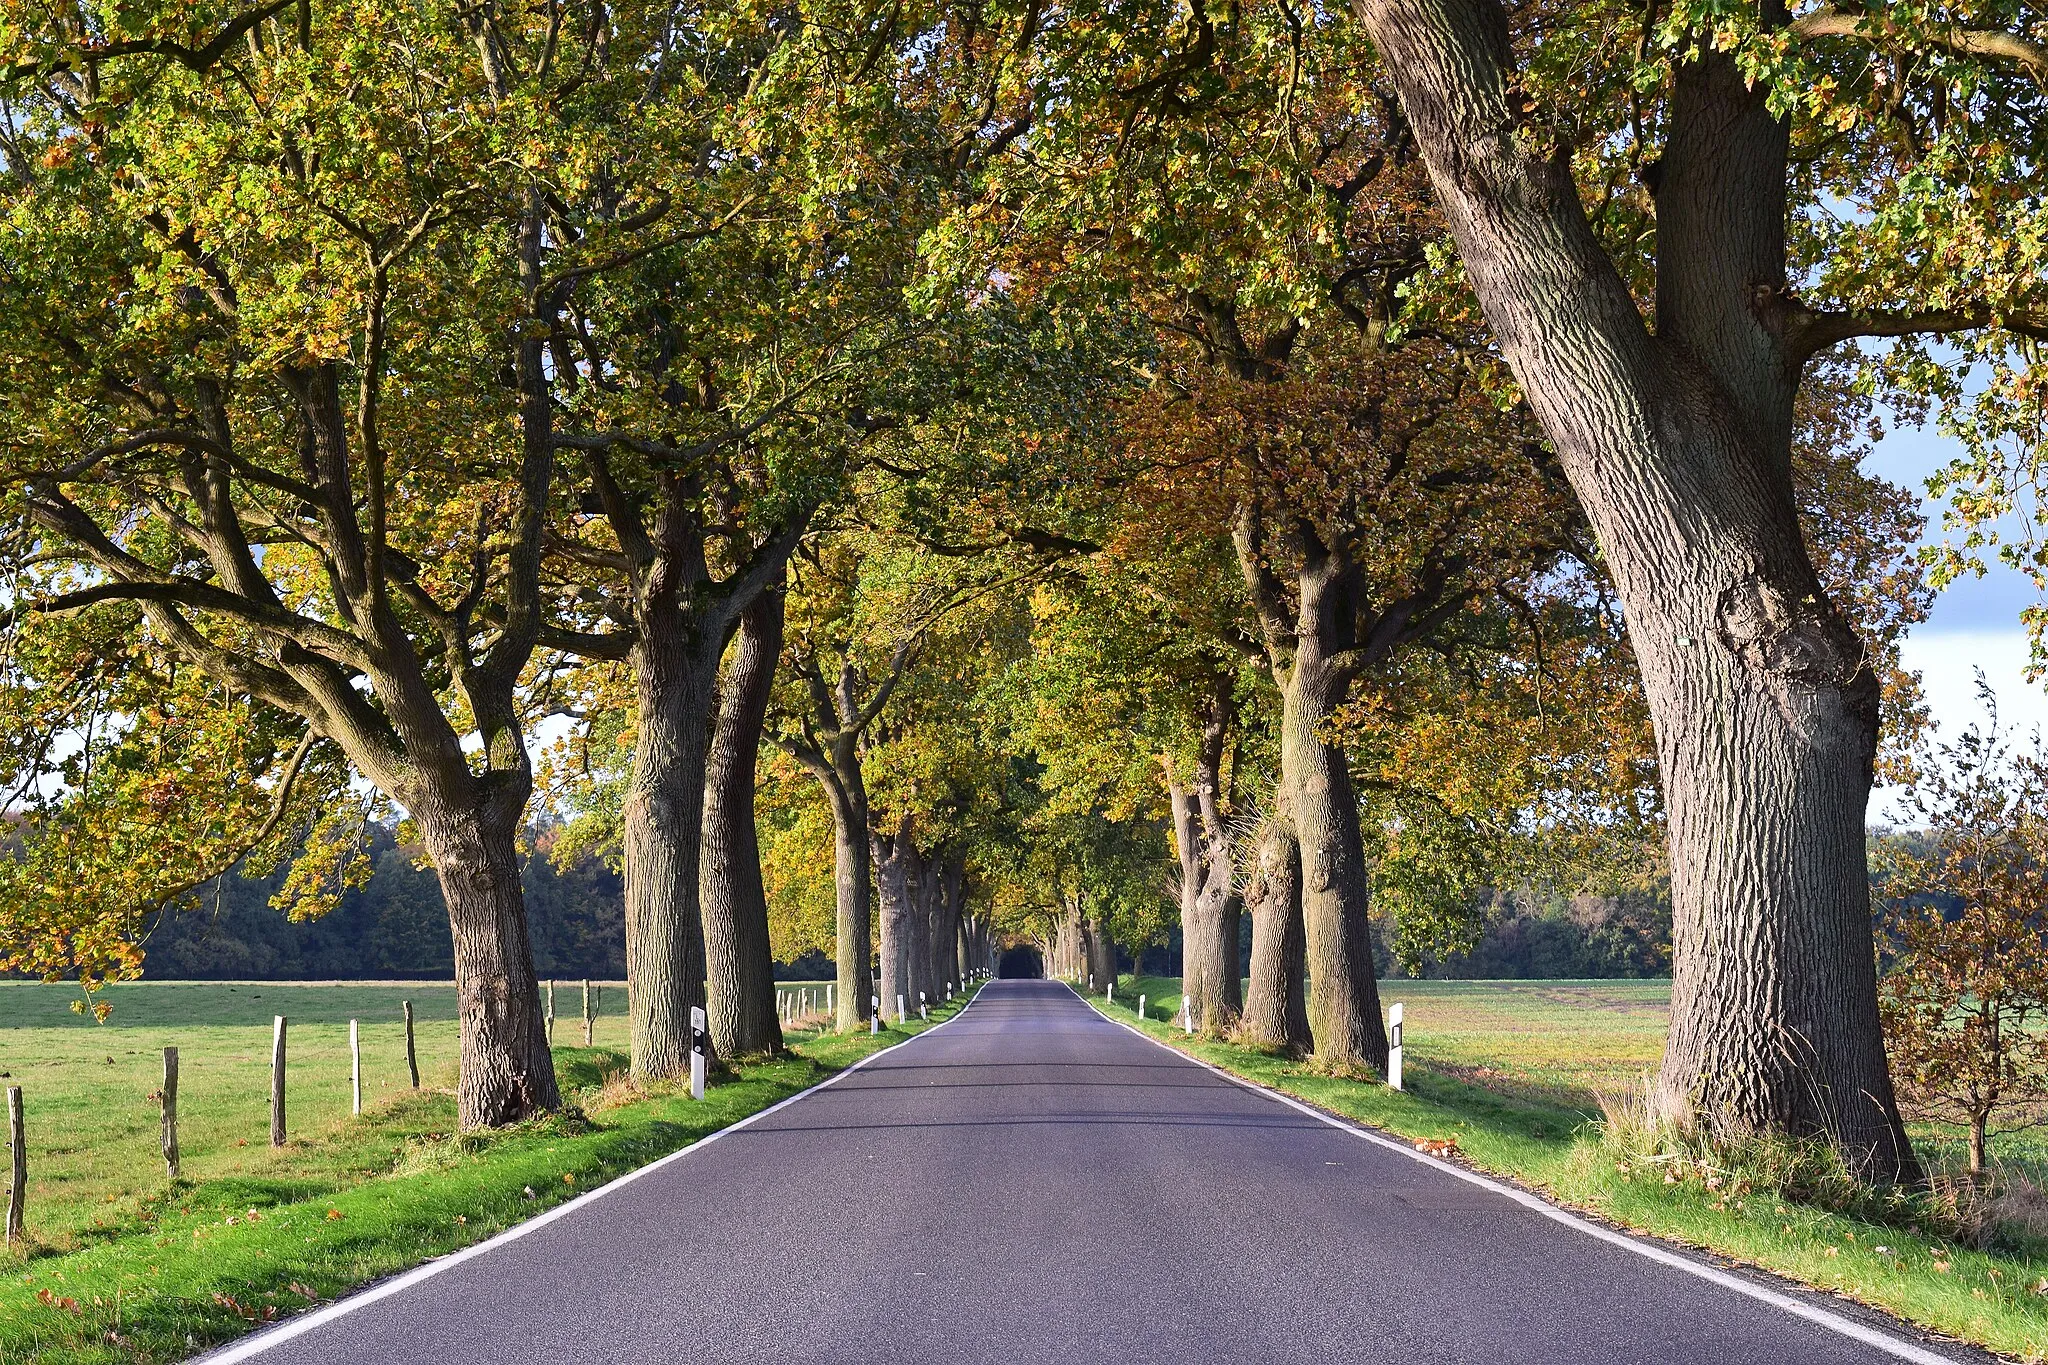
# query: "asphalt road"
{"points": [[1031, 1182]]}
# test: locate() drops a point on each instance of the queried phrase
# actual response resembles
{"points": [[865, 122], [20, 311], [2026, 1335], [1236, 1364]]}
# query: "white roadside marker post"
{"points": [[1091, 983], [1187, 1015], [355, 1065], [1394, 1046], [1109, 997], [902, 1014], [922, 1011], [697, 1042], [874, 1015], [1141, 1007]]}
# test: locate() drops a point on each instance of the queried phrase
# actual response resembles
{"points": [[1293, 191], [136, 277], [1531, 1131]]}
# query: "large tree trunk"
{"points": [[1209, 905], [1344, 999], [1209, 935], [663, 819], [1764, 703], [950, 871], [507, 1072], [1276, 1012], [917, 949], [853, 886], [963, 939], [1068, 958], [740, 966], [1101, 954], [1209, 955], [896, 891]]}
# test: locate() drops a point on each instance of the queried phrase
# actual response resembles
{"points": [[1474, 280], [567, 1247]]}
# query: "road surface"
{"points": [[1032, 1182]]}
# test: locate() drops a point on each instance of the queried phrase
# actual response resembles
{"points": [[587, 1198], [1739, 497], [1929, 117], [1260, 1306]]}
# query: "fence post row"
{"points": [[277, 1082], [412, 1058], [588, 1018], [170, 1112]]}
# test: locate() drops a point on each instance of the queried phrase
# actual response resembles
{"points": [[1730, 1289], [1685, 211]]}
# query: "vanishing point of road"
{"points": [[1033, 1182]]}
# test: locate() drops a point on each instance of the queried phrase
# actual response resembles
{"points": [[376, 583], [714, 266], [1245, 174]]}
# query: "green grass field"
{"points": [[90, 1089], [124, 1265]]}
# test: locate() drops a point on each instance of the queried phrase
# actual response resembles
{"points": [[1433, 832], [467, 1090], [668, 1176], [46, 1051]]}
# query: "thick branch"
{"points": [[1831, 22]]}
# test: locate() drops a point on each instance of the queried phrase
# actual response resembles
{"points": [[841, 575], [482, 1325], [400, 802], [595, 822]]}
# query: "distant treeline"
{"points": [[396, 925], [1544, 937]]}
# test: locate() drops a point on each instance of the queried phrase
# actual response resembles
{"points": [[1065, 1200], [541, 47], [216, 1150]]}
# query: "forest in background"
{"points": [[395, 925]]}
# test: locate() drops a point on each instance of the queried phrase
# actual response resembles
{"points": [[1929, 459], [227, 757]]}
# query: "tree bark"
{"points": [[663, 823], [740, 965], [963, 936], [1336, 888], [1101, 954], [1276, 1012], [1210, 908], [948, 871], [853, 883], [896, 887], [1677, 444], [917, 946], [507, 1072]]}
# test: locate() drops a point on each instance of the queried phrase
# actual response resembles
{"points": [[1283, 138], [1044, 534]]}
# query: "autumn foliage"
{"points": [[1966, 930]]}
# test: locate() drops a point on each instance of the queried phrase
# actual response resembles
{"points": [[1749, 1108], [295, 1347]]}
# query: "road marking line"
{"points": [[259, 1342], [1834, 1322]]}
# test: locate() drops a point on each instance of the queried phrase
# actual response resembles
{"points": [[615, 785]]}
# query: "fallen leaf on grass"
{"points": [[268, 1313], [1438, 1146]]}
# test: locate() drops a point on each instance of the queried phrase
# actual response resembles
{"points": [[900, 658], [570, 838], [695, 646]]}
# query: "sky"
{"points": [[1975, 623]]}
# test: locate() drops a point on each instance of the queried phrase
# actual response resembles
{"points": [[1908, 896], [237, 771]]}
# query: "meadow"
{"points": [[124, 1265], [90, 1090]]}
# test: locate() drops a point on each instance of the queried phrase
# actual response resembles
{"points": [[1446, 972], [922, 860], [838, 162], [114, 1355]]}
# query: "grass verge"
{"points": [[207, 1261], [1998, 1301]]}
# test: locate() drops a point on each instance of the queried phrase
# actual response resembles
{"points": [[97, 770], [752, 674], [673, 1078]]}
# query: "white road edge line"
{"points": [[259, 1342], [1834, 1322]]}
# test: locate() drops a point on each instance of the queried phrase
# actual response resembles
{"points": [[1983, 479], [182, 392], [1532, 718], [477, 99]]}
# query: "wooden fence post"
{"points": [[17, 1185], [589, 1019], [551, 1011], [355, 1065], [170, 1106], [412, 1058], [277, 1082]]}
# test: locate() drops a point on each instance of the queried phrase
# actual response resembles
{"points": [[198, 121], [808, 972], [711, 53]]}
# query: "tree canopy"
{"points": [[887, 481]]}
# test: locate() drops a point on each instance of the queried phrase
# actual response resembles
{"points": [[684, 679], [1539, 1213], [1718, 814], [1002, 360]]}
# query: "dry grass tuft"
{"points": [[616, 1091]]}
